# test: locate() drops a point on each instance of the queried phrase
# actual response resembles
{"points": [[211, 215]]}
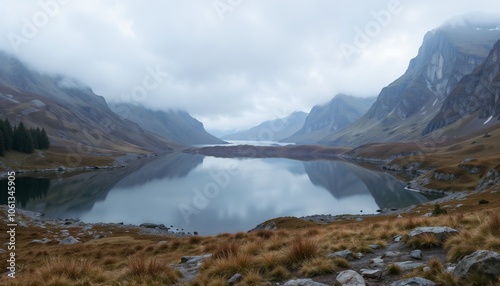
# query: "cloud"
{"points": [[261, 60]]}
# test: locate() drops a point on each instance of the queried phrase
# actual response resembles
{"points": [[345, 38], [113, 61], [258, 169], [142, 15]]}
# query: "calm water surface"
{"points": [[213, 195]]}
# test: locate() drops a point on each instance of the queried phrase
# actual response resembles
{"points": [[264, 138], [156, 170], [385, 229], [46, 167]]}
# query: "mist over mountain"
{"points": [[271, 130], [70, 112], [176, 125], [405, 107]]}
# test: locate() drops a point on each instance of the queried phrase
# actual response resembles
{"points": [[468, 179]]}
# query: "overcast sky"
{"points": [[230, 63]]}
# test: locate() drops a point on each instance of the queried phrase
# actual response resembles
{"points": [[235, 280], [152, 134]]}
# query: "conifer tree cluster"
{"points": [[22, 139]]}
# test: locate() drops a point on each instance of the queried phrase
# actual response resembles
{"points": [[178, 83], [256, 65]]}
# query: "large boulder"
{"points": [[441, 232], [415, 281], [482, 262], [349, 278]]}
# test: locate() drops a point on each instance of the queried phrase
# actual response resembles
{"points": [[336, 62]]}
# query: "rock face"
{"points": [[441, 232], [476, 92], [405, 107], [349, 278], [415, 281], [482, 262]]}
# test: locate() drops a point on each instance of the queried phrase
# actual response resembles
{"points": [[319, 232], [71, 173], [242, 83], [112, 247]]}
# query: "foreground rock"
{"points": [[349, 278], [415, 281], [69, 240], [346, 254], [235, 279], [303, 282], [441, 232], [480, 263]]}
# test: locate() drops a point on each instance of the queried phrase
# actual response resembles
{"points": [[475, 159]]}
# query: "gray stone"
{"points": [[379, 262], [416, 254], [41, 241], [371, 273], [393, 254], [398, 238], [68, 241], [303, 282], [441, 232], [235, 279], [415, 281], [374, 246], [409, 265], [195, 259], [349, 278], [347, 254], [482, 262]]}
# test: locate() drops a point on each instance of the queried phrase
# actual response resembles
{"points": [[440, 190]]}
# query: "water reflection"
{"points": [[213, 195]]}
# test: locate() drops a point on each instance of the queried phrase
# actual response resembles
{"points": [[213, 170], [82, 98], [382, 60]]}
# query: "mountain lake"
{"points": [[209, 195]]}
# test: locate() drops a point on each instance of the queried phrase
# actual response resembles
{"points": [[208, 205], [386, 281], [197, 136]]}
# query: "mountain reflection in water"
{"points": [[213, 195]]}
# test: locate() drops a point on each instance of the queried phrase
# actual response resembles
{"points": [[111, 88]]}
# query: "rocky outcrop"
{"points": [[491, 180], [480, 263], [441, 232]]}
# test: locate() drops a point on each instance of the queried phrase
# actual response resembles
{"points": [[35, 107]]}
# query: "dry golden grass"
{"points": [[300, 250], [436, 273]]}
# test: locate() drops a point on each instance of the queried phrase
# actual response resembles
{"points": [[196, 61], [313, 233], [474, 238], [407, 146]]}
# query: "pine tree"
{"points": [[35, 135], [6, 127], [22, 139], [2, 143], [44, 140]]}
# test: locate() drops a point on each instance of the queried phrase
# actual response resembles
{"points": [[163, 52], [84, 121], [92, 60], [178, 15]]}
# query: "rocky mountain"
{"points": [[176, 125], [405, 107], [72, 114], [272, 130], [477, 96], [332, 117]]}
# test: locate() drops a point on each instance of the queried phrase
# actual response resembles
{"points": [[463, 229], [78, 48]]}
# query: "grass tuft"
{"points": [[301, 250], [393, 269]]}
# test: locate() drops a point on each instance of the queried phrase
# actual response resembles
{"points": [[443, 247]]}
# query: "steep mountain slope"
{"points": [[272, 130], [477, 95], [174, 124], [405, 107], [70, 112], [332, 117]]}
